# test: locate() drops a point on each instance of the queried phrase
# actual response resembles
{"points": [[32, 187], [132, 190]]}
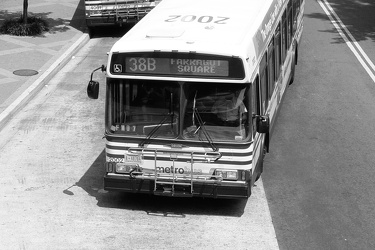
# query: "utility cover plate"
{"points": [[25, 72]]}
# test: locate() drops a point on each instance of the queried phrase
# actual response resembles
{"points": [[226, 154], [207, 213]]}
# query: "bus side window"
{"points": [[271, 69], [295, 14], [255, 100], [278, 57], [284, 38], [290, 24], [263, 71]]}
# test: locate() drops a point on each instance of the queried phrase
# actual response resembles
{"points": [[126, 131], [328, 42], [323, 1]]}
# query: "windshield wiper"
{"points": [[161, 123], [153, 131], [203, 127], [201, 124]]}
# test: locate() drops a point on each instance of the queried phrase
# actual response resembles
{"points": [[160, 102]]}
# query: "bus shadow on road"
{"points": [[92, 183], [172, 206]]}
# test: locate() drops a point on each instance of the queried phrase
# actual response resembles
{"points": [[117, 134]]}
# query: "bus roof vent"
{"points": [[165, 33]]}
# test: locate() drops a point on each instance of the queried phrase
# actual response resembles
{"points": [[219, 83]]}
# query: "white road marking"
{"points": [[362, 57]]}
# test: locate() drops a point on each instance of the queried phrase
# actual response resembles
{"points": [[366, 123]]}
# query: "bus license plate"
{"points": [[133, 158]]}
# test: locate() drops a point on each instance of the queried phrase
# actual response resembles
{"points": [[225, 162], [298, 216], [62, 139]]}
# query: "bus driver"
{"points": [[229, 108]]}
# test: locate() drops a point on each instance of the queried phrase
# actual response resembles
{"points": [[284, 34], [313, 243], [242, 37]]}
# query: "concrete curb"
{"points": [[34, 88]]}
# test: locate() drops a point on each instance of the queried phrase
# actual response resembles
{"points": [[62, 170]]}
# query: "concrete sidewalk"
{"points": [[43, 55]]}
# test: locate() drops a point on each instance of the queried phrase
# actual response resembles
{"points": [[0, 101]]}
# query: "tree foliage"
{"points": [[24, 25]]}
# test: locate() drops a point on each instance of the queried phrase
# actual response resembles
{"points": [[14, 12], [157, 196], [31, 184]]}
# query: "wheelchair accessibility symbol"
{"points": [[117, 68]]}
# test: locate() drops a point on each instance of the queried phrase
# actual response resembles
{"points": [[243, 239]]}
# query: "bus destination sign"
{"points": [[176, 66]]}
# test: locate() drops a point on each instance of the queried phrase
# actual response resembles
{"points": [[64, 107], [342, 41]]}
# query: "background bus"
{"points": [[192, 95], [116, 12]]}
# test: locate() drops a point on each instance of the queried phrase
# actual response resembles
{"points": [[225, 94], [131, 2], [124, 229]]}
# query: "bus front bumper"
{"points": [[222, 190]]}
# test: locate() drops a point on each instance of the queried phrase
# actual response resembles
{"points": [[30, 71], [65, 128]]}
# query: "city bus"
{"points": [[112, 12], [192, 95]]}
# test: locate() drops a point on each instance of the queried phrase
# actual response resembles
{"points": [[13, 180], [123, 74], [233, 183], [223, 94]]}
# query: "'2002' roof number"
{"points": [[199, 19]]}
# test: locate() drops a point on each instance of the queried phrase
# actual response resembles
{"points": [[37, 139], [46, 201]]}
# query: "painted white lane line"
{"points": [[368, 60], [350, 41]]}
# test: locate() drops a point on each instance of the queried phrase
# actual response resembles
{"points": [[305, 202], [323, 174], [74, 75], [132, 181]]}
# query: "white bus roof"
{"points": [[222, 27]]}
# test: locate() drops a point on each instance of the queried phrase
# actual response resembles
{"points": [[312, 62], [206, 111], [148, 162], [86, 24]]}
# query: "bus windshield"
{"points": [[184, 110], [140, 108], [220, 110]]}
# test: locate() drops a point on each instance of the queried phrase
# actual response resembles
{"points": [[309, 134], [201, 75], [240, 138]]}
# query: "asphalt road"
{"points": [[319, 175]]}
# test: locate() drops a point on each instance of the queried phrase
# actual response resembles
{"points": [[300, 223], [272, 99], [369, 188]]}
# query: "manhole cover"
{"points": [[25, 72]]}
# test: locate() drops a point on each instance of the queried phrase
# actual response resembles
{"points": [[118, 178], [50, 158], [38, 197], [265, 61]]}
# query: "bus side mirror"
{"points": [[93, 89], [263, 124]]}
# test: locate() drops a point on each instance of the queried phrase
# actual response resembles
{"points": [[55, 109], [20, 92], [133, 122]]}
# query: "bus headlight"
{"points": [[123, 168], [227, 174]]}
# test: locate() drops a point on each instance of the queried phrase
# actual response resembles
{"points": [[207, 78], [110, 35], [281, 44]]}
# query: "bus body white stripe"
{"points": [[360, 55]]}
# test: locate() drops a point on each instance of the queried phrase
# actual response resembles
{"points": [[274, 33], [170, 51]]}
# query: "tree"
{"points": [[25, 6], [24, 25]]}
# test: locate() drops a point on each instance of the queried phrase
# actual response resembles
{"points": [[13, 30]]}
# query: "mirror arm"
{"points": [[103, 68]]}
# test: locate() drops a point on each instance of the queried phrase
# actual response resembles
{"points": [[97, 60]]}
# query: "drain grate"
{"points": [[25, 72]]}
